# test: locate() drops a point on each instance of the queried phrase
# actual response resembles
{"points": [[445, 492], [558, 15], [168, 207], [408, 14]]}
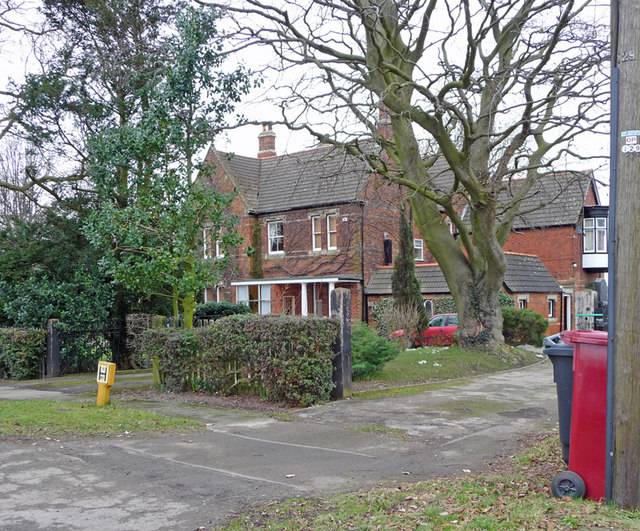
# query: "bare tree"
{"points": [[17, 162], [494, 91]]}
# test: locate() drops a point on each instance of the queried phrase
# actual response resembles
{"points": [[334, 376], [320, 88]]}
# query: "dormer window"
{"points": [[594, 235]]}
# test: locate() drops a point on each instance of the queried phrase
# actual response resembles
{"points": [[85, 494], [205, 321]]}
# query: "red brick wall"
{"points": [[559, 248]]}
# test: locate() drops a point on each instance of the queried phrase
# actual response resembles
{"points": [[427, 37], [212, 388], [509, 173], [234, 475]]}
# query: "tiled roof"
{"points": [[556, 199], [525, 274], [325, 175], [562, 195], [328, 175]]}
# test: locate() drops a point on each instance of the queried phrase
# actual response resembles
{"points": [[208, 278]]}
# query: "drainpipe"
{"points": [[365, 302]]}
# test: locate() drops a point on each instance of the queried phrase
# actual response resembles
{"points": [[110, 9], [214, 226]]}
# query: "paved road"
{"points": [[185, 481]]}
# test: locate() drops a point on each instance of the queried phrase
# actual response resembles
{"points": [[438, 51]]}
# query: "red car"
{"points": [[440, 331]]}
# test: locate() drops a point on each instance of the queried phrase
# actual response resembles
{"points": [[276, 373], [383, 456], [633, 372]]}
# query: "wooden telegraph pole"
{"points": [[624, 379]]}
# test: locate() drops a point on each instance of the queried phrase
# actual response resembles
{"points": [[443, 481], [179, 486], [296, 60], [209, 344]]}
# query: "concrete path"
{"points": [[185, 481]]}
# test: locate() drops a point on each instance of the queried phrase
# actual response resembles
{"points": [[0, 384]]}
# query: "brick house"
{"points": [[312, 221], [568, 234], [316, 220], [527, 280]]}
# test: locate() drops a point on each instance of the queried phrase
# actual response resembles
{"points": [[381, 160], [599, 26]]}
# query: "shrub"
{"points": [[137, 325], [369, 351], [291, 356], [523, 326], [217, 310], [21, 351], [379, 314]]}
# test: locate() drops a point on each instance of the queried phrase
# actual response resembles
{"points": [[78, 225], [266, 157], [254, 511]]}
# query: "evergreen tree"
{"points": [[405, 286]]}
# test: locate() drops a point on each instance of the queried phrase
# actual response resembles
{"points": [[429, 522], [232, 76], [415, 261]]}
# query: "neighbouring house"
{"points": [[527, 280], [311, 221], [318, 219], [568, 234]]}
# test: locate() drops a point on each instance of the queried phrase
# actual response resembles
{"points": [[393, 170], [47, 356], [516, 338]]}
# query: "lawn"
{"points": [[423, 366], [48, 418], [514, 495]]}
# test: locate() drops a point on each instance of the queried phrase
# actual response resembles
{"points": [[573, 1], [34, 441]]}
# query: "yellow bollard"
{"points": [[106, 377]]}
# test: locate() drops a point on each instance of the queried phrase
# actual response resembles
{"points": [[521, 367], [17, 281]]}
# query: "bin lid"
{"points": [[593, 337]]}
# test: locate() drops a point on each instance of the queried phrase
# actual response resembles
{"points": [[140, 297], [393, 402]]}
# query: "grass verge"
{"points": [[515, 496], [21, 419], [414, 369]]}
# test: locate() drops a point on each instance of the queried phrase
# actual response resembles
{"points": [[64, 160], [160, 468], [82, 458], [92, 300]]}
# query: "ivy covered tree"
{"points": [[153, 243], [405, 286]]}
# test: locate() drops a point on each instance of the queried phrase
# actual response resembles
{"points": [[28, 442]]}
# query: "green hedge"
{"points": [[21, 350], [217, 310], [523, 326], [290, 356]]}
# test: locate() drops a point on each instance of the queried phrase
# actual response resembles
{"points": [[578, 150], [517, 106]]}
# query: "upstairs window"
{"points": [[206, 242], [594, 235], [276, 237], [316, 233], [219, 250], [332, 232], [418, 249]]}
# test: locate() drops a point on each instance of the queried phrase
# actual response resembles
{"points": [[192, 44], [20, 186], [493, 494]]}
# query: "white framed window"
{"points": [[553, 303], [206, 242], [316, 233], [418, 249], [219, 250], [276, 237], [589, 236], [242, 295], [523, 303], [594, 235], [601, 235], [332, 232]]}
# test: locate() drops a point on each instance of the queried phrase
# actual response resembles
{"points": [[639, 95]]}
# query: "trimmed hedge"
{"points": [[291, 356], [523, 326], [21, 350], [217, 310]]}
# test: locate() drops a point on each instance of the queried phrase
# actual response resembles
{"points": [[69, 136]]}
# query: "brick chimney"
{"points": [[266, 142], [384, 122]]}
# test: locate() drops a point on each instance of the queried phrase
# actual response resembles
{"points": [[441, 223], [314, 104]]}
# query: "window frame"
{"points": [[552, 307], [274, 238], [330, 232], [316, 234], [416, 248]]}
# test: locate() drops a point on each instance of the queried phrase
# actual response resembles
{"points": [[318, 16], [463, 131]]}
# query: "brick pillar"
{"points": [[341, 310]]}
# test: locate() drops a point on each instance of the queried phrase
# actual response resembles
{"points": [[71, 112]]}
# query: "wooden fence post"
{"points": [[52, 365], [341, 310]]}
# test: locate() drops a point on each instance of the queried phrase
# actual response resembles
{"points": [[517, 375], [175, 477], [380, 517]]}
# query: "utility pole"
{"points": [[623, 473]]}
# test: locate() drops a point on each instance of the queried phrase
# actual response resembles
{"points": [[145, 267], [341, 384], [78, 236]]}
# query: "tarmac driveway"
{"points": [[185, 481]]}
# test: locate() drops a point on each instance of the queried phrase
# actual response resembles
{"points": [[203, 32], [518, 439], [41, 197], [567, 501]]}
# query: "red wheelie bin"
{"points": [[587, 449]]}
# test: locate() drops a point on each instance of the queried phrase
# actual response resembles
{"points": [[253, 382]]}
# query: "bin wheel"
{"points": [[568, 483]]}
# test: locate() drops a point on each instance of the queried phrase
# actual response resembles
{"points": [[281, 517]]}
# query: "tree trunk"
{"points": [[626, 407], [474, 278]]}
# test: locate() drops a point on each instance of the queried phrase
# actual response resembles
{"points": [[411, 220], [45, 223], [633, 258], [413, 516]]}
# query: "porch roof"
{"points": [[297, 280]]}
